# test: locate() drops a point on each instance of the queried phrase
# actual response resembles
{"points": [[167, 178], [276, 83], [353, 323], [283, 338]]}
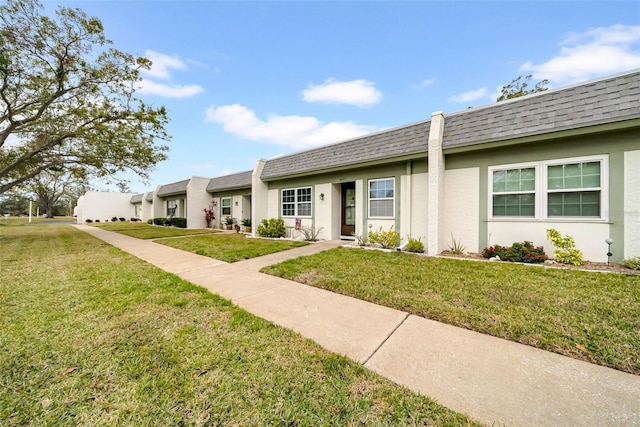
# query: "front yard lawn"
{"points": [[230, 247], [585, 315], [141, 230], [99, 337]]}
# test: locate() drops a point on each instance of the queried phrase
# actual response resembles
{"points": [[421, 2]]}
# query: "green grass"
{"points": [[141, 230], [231, 247], [585, 315], [92, 336], [16, 221]]}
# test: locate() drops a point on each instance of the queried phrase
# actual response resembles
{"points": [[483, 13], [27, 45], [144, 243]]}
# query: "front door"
{"points": [[348, 224]]}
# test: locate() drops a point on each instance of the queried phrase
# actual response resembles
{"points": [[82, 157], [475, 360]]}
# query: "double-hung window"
{"points": [[574, 189], [172, 205], [296, 202], [226, 206], [514, 192], [382, 198], [554, 189]]}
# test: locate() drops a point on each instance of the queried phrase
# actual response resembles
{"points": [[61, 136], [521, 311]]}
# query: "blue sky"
{"points": [[248, 80]]}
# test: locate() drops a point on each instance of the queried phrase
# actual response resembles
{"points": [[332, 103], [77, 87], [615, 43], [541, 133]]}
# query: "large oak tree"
{"points": [[67, 99]]}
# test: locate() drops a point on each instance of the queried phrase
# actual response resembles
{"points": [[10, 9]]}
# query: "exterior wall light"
{"points": [[321, 196], [609, 242]]}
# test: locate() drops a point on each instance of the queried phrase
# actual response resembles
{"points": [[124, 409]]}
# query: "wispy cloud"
{"points": [[161, 68], [291, 131], [361, 93], [424, 84], [590, 54], [470, 96]]}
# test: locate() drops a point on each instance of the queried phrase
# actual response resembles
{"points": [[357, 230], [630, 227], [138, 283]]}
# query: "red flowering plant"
{"points": [[209, 215], [518, 252]]}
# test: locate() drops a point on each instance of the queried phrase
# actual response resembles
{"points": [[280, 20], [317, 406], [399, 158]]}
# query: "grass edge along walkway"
{"points": [[584, 315], [99, 337]]}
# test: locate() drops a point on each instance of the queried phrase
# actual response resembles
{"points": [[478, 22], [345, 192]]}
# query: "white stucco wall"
{"points": [[631, 204], [589, 237], [324, 210], [259, 197], [99, 205], [420, 207], [461, 208], [273, 204], [147, 207], [197, 199]]}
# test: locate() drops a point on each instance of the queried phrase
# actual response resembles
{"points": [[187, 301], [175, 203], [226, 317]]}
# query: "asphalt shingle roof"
{"points": [[230, 182], [173, 188], [136, 198], [150, 196], [606, 100], [398, 142]]}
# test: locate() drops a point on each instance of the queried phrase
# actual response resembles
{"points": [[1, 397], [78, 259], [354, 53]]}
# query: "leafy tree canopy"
{"points": [[67, 99], [518, 87]]}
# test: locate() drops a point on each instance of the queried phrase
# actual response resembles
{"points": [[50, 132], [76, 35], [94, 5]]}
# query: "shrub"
{"points": [[273, 227], [149, 221], [114, 218], [179, 222], [415, 245], [456, 246], [122, 219], [361, 239], [632, 263], [88, 221], [97, 220], [566, 252], [384, 239], [133, 219], [310, 233], [159, 221], [518, 252]]}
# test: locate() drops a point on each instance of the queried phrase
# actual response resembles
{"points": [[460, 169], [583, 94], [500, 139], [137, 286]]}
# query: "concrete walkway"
{"points": [[492, 380]]}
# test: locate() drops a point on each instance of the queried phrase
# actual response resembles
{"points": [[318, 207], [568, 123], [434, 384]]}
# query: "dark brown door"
{"points": [[348, 209]]}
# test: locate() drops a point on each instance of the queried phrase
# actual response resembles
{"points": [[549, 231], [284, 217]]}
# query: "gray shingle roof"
{"points": [[398, 142], [136, 198], [150, 196], [606, 100], [230, 182], [173, 188]]}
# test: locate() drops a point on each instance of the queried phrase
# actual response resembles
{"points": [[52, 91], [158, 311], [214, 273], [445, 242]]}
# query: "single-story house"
{"points": [[566, 158]]}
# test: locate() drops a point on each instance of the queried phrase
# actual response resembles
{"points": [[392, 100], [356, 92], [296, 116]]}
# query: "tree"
{"points": [[14, 203], [67, 99], [518, 88], [52, 187]]}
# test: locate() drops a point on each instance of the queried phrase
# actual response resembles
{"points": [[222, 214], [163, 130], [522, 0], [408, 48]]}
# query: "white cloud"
{"points": [[292, 131], [593, 53], [161, 67], [168, 91], [356, 92], [162, 64], [470, 96]]}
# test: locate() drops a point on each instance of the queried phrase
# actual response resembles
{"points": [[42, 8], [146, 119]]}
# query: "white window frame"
{"points": [[297, 202], [542, 190], [536, 191], [175, 208], [393, 199], [223, 207]]}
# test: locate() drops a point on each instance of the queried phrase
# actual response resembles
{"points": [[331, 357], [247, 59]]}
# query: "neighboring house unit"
{"points": [[231, 196], [102, 206], [567, 159]]}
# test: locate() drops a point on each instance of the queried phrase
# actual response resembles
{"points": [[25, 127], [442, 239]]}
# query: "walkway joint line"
{"points": [[393, 331]]}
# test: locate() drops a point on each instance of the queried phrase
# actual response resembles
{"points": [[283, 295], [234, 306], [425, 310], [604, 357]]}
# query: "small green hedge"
{"points": [[171, 222]]}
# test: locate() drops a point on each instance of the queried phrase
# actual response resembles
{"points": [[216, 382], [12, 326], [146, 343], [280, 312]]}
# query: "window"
{"points": [[514, 192], [573, 189], [381, 198], [296, 202], [172, 205], [568, 188], [226, 207]]}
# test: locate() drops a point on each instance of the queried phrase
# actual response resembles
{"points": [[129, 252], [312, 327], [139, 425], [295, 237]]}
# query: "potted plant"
{"points": [[247, 225], [229, 221]]}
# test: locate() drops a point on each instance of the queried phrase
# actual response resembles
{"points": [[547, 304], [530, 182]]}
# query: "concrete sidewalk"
{"points": [[489, 379]]}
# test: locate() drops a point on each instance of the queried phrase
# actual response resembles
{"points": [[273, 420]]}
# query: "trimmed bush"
{"points": [[566, 252], [97, 220], [384, 239], [88, 221], [179, 222], [273, 227], [122, 219], [632, 263], [518, 252], [159, 221], [114, 218], [414, 245], [149, 221]]}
